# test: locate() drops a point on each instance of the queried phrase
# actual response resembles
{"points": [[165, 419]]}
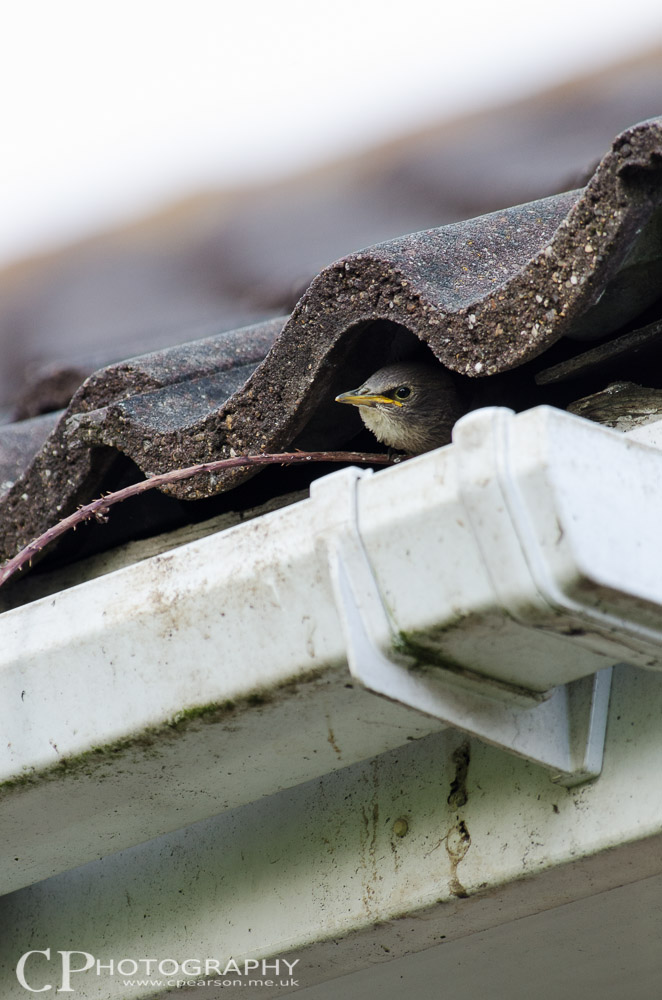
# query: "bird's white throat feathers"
{"points": [[386, 429]]}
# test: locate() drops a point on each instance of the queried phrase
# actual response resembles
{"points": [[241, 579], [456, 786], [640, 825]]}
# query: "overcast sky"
{"points": [[110, 110]]}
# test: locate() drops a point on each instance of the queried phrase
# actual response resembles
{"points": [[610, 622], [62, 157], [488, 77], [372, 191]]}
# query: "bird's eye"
{"points": [[402, 392]]}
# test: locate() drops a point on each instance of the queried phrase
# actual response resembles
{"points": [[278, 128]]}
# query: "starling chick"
{"points": [[410, 407]]}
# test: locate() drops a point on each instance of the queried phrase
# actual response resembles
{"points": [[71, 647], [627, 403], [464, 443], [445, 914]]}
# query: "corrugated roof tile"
{"points": [[485, 296]]}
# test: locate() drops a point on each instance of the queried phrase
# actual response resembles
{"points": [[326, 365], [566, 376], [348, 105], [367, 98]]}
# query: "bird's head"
{"points": [[408, 406]]}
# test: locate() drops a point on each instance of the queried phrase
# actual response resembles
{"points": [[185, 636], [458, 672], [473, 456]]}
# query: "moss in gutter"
{"points": [[89, 763], [258, 699], [212, 712], [425, 658]]}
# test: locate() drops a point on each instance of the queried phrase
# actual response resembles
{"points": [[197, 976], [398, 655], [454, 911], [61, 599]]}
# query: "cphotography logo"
{"points": [[42, 971]]}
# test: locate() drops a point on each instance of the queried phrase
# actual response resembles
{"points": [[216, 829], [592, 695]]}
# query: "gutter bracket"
{"points": [[563, 729]]}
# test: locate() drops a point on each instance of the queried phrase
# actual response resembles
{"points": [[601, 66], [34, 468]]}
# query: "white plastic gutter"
{"points": [[489, 585]]}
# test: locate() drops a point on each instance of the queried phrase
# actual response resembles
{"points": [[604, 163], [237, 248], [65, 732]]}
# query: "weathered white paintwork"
{"points": [[525, 557]]}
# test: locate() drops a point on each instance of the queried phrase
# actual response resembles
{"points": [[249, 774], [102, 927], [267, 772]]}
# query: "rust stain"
{"points": [[458, 840], [458, 795], [458, 843], [331, 740], [370, 821], [399, 830]]}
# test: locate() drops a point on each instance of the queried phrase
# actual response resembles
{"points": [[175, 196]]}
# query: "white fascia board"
{"points": [[526, 552], [439, 841]]}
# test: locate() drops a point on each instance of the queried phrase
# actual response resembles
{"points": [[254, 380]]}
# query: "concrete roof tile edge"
{"points": [[486, 295], [492, 331]]}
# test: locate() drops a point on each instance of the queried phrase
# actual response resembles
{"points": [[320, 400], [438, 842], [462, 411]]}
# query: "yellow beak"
{"points": [[365, 400]]}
